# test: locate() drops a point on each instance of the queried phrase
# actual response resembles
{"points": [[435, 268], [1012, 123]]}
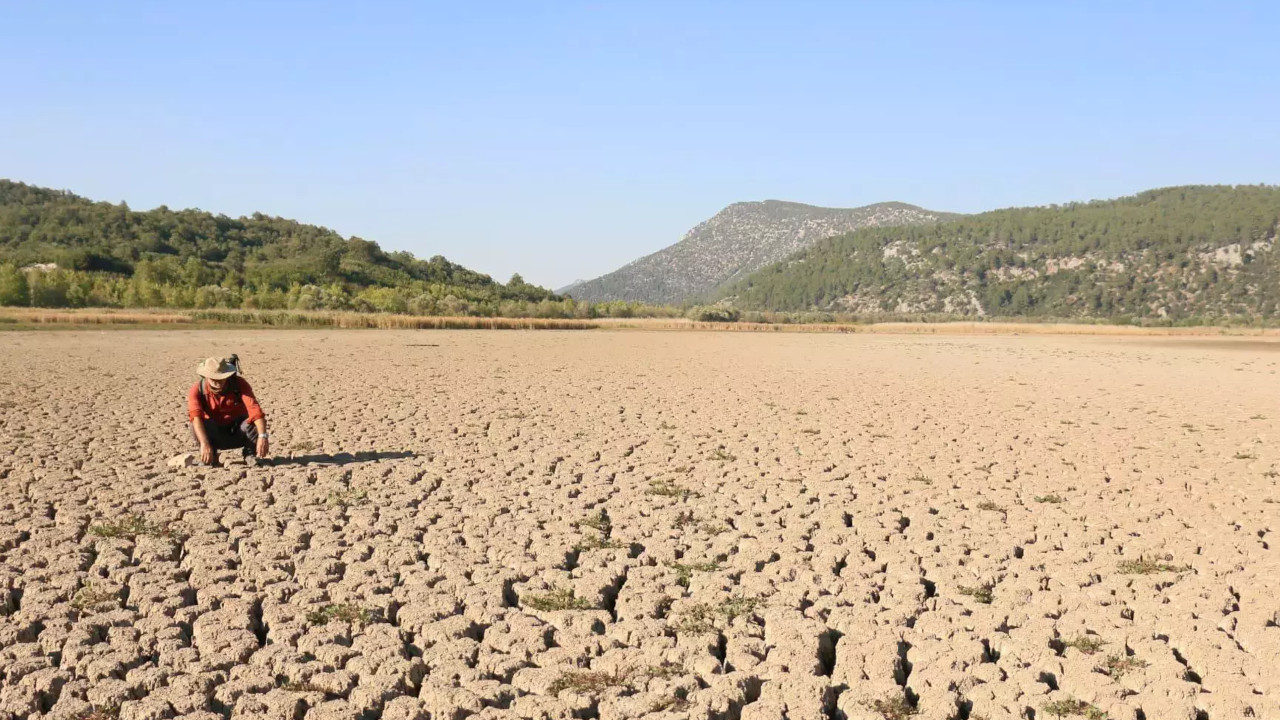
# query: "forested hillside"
{"points": [[1183, 254], [58, 249]]}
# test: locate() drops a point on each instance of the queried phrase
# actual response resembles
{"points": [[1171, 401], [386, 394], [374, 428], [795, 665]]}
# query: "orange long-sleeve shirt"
{"points": [[224, 408]]}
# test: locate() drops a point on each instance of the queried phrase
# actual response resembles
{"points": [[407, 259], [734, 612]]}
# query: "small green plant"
{"points": [[103, 713], [666, 670], [981, 593], [673, 703], [598, 521], [1258, 417], [556, 598], [589, 682], [1087, 644], [895, 708], [922, 479], [664, 425], [723, 456], [711, 529], [1051, 499], [133, 526], [341, 612], [738, 606], [91, 596], [303, 446], [811, 431], [346, 498], [988, 505], [303, 687], [1072, 707], [1115, 666], [596, 542], [684, 572], [1245, 456], [668, 488], [703, 618], [1148, 566], [802, 411], [517, 415]]}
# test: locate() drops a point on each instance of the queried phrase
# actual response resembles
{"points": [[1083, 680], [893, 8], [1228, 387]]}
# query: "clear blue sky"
{"points": [[561, 140]]}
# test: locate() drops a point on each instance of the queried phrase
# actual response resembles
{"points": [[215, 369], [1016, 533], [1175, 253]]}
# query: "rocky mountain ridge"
{"points": [[734, 243]]}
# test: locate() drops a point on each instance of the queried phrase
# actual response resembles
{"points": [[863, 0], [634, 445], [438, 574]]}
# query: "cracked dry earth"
{"points": [[643, 524]]}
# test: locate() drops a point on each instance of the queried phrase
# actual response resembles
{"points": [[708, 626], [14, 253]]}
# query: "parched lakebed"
{"points": [[643, 524]]}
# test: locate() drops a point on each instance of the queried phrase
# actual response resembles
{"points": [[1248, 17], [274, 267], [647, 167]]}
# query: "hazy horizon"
{"points": [[563, 141]]}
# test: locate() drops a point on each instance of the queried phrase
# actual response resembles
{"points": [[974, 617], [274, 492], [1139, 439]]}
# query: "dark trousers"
{"points": [[239, 433]]}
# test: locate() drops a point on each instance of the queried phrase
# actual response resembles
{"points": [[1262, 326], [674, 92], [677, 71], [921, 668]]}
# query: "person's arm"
{"points": [[196, 415], [264, 447], [206, 449], [256, 416]]}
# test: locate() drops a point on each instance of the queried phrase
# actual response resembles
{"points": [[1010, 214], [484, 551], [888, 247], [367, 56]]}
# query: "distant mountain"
{"points": [[1182, 253], [737, 241]]}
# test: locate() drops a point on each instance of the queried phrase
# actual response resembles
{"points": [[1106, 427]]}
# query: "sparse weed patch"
{"points": [[1051, 499], [103, 713], [723, 456], [811, 431], [90, 596], [1115, 666], [664, 425], [895, 708], [682, 519], [1258, 417], [598, 521], [346, 498], [133, 526], [1087, 644], [922, 479], [989, 505], [1245, 456], [802, 411], [981, 593], [1148, 566], [1073, 707], [589, 682], [304, 687], [675, 703], [704, 618], [557, 598], [684, 572], [668, 488], [596, 542], [341, 612], [303, 446]]}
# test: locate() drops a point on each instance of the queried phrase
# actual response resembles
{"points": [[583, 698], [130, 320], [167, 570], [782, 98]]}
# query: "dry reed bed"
{"points": [[22, 318]]}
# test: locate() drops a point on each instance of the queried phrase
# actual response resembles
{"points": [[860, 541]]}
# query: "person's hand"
{"points": [[206, 453], [263, 447]]}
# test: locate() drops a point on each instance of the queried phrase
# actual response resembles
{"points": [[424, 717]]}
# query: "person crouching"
{"points": [[224, 412]]}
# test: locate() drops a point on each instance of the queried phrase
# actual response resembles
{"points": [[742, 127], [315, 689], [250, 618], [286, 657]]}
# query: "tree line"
{"points": [[61, 250]]}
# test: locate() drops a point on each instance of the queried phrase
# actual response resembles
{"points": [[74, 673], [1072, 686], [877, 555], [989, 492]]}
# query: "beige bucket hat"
{"points": [[217, 368]]}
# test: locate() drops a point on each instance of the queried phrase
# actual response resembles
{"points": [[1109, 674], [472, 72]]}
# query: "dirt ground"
{"points": [[644, 524]]}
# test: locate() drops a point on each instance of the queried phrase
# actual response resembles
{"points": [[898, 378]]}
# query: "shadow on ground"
{"points": [[339, 458]]}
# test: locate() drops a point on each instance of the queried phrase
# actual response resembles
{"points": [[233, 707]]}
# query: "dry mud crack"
{"points": [[625, 525]]}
